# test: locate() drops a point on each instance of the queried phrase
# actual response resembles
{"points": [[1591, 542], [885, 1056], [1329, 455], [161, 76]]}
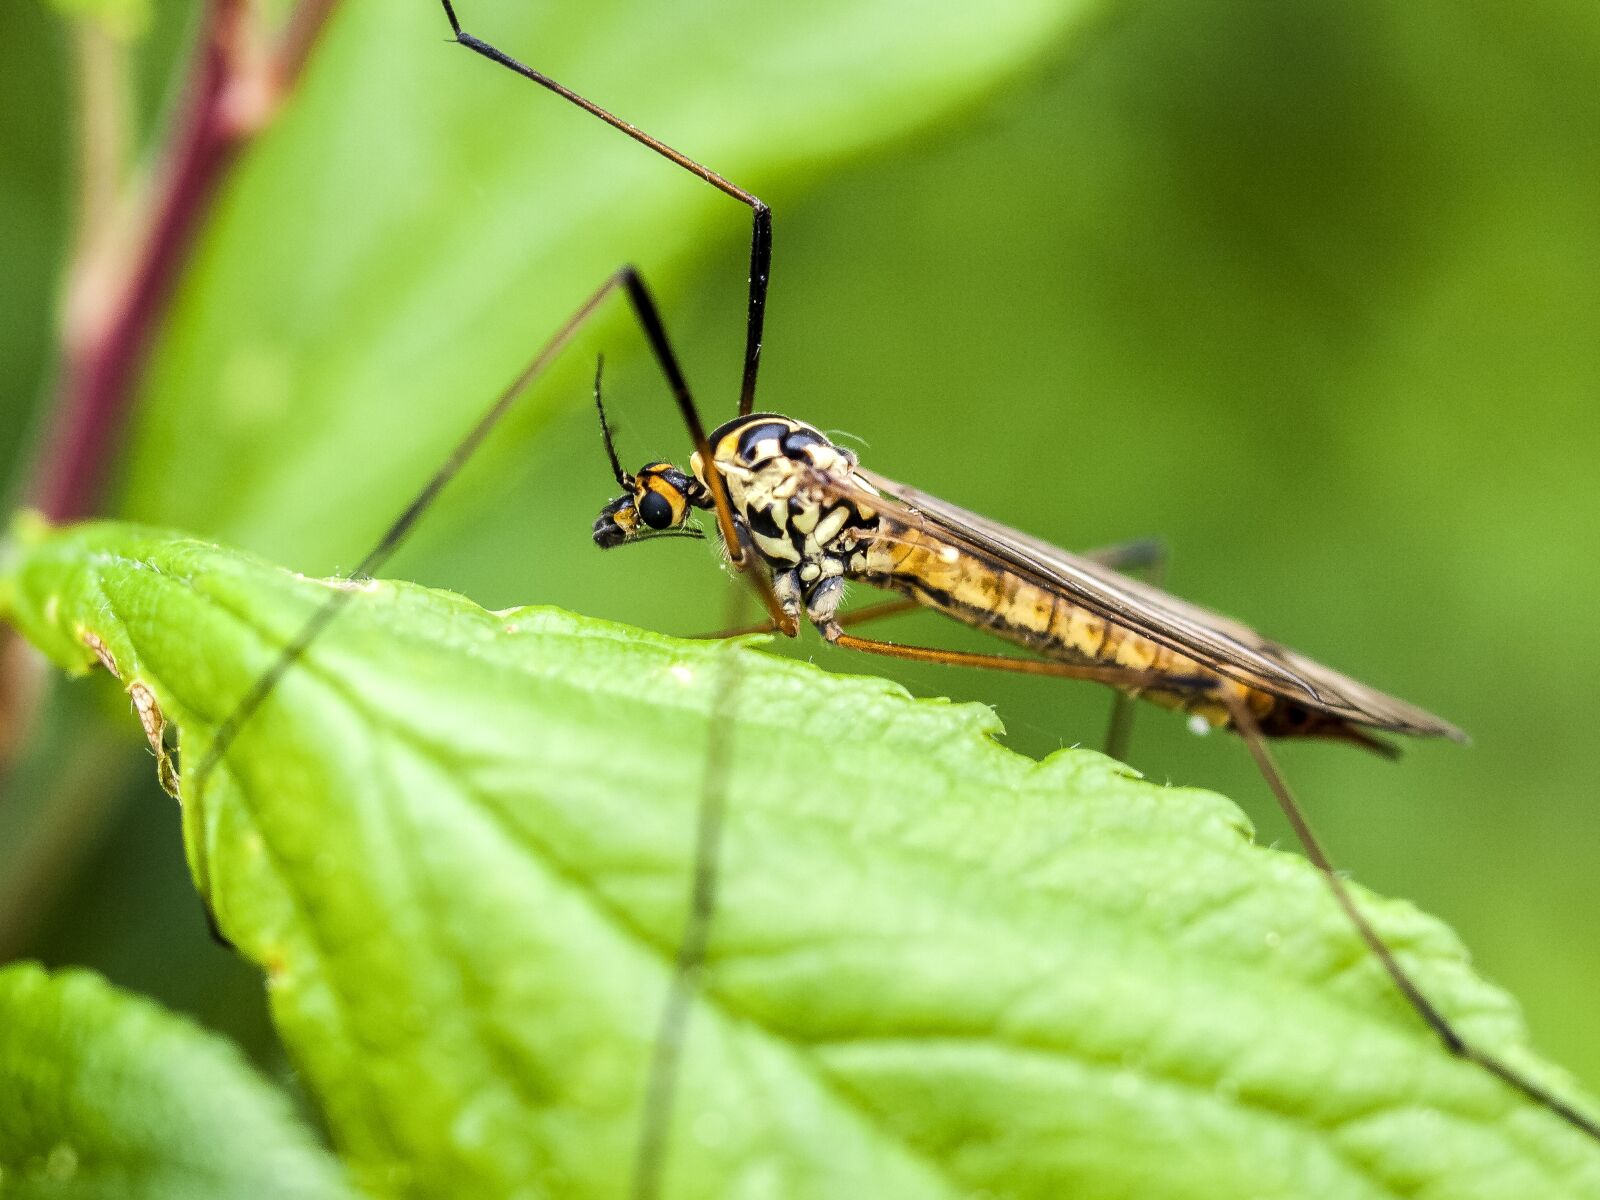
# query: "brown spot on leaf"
{"points": [[155, 729], [101, 651]]}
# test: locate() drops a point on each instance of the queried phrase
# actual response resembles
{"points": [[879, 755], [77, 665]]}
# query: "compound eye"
{"points": [[655, 511]]}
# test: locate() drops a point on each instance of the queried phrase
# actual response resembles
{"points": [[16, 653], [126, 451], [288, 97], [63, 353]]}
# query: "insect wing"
{"points": [[1226, 646]]}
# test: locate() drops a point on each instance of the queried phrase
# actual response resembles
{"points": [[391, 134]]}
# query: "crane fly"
{"points": [[799, 518], [817, 519]]}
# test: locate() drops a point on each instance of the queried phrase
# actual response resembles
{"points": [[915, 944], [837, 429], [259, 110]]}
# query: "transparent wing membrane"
{"points": [[1227, 646]]}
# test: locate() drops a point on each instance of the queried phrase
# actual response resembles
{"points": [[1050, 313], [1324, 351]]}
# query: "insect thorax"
{"points": [[794, 492]]}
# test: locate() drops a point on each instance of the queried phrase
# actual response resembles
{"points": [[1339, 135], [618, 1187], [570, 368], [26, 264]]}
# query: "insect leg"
{"points": [[660, 1088], [392, 537], [672, 1028], [1244, 722], [761, 215], [1147, 557], [632, 285], [860, 616], [644, 307], [1129, 677]]}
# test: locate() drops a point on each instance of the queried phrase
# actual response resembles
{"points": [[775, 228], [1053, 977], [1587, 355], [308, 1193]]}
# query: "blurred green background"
{"points": [[1312, 291]]}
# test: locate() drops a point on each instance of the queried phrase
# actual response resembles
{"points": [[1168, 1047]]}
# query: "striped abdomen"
{"points": [[989, 596]]}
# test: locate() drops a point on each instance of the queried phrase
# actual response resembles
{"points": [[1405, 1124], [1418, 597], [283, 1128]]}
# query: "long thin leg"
{"points": [[756, 308], [644, 307], [1147, 557], [392, 538], [847, 620], [761, 215], [672, 1027], [666, 1058], [1244, 722], [1129, 677], [667, 1054], [1119, 729]]}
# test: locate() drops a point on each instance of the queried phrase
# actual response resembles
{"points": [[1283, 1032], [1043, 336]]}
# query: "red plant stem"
{"points": [[300, 36], [102, 362], [118, 298], [232, 93]]}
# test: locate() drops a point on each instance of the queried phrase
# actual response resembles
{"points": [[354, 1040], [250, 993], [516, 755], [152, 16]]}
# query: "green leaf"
{"points": [[103, 1094], [419, 220], [459, 843]]}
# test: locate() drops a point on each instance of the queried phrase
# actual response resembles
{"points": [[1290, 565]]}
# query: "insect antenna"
{"points": [[623, 479]]}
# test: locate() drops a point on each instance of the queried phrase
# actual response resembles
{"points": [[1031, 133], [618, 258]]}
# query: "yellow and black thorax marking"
{"points": [[793, 493]]}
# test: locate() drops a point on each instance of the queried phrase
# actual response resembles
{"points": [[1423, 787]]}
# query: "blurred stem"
{"points": [[116, 294], [81, 793], [104, 113], [134, 238], [122, 282], [22, 676], [300, 35]]}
